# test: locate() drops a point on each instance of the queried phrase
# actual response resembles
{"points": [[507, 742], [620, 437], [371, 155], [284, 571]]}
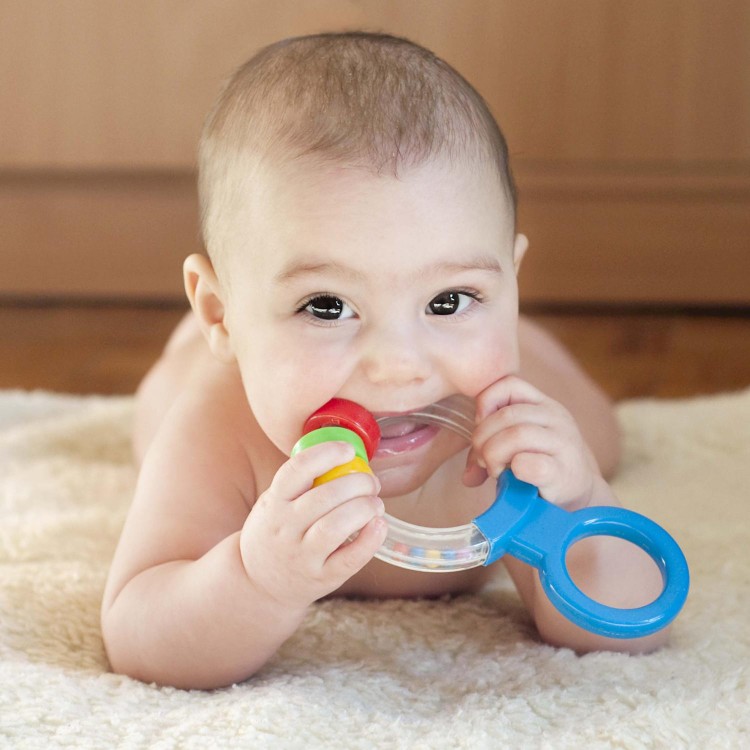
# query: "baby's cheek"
{"points": [[483, 370], [279, 415]]}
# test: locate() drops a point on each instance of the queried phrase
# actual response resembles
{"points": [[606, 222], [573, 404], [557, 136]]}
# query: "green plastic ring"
{"points": [[326, 435]]}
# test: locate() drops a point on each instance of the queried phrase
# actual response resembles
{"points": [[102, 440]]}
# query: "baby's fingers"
{"points": [[510, 416], [498, 450], [353, 556], [297, 475], [538, 469], [496, 423], [318, 502], [474, 473], [332, 530], [504, 392]]}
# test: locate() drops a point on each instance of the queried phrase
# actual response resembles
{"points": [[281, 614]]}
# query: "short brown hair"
{"points": [[365, 99]]}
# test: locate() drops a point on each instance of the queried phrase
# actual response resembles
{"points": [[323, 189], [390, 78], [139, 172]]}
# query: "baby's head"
{"points": [[374, 102], [359, 215]]}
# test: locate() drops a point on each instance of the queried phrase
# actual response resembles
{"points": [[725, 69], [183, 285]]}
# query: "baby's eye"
{"points": [[328, 307], [450, 303]]}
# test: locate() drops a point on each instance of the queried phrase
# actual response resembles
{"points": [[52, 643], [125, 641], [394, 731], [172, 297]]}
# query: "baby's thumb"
{"points": [[475, 472]]}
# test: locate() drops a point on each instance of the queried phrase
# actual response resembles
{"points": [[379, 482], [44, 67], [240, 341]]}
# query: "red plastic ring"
{"points": [[342, 413]]}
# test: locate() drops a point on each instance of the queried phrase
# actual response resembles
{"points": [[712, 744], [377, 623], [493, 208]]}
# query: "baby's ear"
{"points": [[206, 298], [520, 246]]}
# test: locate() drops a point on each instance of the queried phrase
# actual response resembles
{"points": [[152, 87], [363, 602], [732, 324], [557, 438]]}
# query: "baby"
{"points": [[359, 216]]}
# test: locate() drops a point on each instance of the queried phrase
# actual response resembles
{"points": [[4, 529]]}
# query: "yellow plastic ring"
{"points": [[350, 467]]}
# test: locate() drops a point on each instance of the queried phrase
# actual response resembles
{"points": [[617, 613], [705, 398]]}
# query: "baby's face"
{"points": [[394, 293]]}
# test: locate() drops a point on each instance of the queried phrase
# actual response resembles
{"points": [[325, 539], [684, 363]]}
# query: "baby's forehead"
{"points": [[333, 194], [317, 215]]}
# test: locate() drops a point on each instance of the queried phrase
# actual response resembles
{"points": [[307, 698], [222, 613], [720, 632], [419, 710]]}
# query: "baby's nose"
{"points": [[396, 356]]}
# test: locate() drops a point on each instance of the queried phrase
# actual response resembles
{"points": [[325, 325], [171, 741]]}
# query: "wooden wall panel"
{"points": [[106, 84], [97, 236], [620, 116], [649, 238]]}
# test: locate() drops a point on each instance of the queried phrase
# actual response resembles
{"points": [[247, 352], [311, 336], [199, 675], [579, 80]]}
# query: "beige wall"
{"points": [[629, 126]]}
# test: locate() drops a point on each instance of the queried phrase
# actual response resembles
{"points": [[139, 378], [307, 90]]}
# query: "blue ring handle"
{"points": [[524, 525]]}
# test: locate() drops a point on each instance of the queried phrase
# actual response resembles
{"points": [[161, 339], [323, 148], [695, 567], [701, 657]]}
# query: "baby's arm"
{"points": [[192, 598], [520, 427]]}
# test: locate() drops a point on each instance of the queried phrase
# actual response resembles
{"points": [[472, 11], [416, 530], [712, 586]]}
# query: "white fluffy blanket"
{"points": [[462, 672]]}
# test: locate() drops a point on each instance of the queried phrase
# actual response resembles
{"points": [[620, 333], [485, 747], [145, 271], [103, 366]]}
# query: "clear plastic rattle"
{"points": [[518, 523]]}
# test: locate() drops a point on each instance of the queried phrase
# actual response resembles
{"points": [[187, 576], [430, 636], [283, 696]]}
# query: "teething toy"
{"points": [[522, 524]]}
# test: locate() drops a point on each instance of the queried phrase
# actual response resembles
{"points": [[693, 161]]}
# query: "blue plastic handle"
{"points": [[522, 524]]}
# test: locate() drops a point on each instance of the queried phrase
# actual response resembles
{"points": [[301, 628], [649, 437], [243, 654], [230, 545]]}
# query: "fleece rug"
{"points": [[463, 672]]}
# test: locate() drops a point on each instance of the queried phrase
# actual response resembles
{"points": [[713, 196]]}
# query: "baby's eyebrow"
{"points": [[487, 263], [297, 269]]}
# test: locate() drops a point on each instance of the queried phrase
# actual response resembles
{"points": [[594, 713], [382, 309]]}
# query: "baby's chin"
{"points": [[400, 481]]}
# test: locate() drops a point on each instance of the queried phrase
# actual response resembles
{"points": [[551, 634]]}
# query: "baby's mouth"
{"points": [[408, 431], [403, 433]]}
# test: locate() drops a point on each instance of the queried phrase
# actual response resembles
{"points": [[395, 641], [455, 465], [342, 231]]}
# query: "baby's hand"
{"points": [[520, 427], [294, 542]]}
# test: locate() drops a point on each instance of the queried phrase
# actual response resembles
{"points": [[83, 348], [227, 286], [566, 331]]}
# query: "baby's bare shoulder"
{"points": [[208, 431], [196, 482]]}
